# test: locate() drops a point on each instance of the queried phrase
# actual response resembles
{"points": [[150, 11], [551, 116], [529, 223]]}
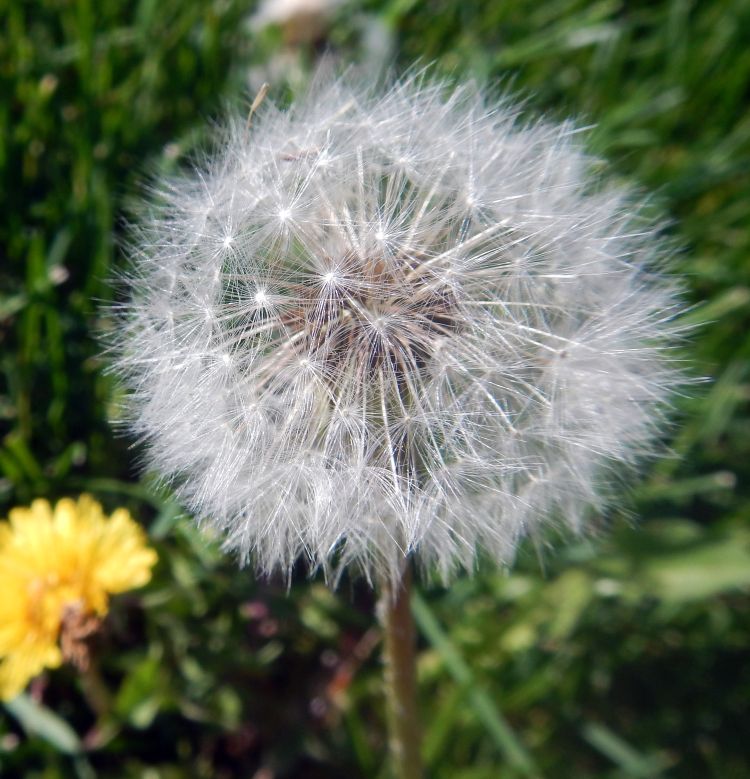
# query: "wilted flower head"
{"points": [[301, 21], [393, 322], [57, 569]]}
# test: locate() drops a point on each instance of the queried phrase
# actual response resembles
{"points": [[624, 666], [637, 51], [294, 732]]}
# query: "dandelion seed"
{"points": [[429, 334]]}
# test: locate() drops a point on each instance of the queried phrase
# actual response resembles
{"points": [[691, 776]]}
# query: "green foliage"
{"points": [[619, 657], [91, 95]]}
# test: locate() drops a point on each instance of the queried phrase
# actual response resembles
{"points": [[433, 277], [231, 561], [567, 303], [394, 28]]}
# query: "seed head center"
{"points": [[377, 313]]}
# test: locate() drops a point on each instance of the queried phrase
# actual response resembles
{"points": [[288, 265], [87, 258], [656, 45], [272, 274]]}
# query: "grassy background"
{"points": [[624, 657]]}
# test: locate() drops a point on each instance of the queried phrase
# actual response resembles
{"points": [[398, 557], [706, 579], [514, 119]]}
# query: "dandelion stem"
{"points": [[399, 656], [95, 690]]}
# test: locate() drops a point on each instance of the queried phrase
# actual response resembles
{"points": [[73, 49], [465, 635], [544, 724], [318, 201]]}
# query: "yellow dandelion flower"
{"points": [[58, 568]]}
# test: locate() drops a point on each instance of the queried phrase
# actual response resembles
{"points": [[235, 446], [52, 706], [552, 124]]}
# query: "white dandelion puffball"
{"points": [[394, 321]]}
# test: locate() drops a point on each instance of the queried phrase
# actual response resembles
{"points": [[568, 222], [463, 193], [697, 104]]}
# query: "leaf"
{"points": [[484, 707], [569, 596], [701, 570], [38, 720], [632, 762], [139, 698]]}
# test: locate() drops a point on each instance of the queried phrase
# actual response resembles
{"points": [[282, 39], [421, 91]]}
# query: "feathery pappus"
{"points": [[394, 320]]}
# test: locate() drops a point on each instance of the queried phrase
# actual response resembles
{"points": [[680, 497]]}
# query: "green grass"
{"points": [[624, 657]]}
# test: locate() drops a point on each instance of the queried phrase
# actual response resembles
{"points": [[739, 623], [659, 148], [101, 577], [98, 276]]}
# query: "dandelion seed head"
{"points": [[428, 332]]}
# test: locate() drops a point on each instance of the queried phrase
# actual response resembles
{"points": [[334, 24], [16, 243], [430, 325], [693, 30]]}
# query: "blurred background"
{"points": [[625, 655]]}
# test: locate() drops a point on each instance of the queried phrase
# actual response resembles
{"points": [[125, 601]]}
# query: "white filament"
{"points": [[393, 322]]}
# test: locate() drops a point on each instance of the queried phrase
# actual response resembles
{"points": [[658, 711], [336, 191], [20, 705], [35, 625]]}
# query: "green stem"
{"points": [[399, 657], [95, 690], [99, 698]]}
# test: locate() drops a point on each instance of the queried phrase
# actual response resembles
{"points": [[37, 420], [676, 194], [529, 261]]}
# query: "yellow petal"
{"points": [[18, 668], [51, 559]]}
